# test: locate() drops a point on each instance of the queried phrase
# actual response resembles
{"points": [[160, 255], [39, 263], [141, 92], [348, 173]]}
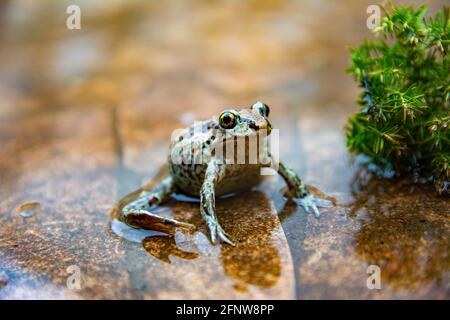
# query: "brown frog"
{"points": [[199, 165]]}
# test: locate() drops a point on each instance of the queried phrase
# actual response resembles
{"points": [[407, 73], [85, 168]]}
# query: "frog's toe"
{"points": [[312, 202], [224, 237], [212, 235], [217, 233]]}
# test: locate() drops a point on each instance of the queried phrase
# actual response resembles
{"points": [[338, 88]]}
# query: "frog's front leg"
{"points": [[213, 174], [300, 194], [138, 212]]}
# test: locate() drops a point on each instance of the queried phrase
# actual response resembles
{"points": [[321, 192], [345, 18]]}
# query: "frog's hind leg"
{"points": [[138, 212], [300, 194]]}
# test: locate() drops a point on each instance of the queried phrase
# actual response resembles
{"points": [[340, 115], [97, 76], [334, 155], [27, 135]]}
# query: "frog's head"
{"points": [[245, 122]]}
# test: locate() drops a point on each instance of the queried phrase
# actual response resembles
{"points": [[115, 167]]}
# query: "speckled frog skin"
{"points": [[199, 165]]}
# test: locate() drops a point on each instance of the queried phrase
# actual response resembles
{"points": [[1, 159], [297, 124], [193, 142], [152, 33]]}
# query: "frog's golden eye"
{"points": [[227, 120]]}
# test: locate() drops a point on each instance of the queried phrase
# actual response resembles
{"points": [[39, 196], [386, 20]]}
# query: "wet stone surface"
{"points": [[86, 118]]}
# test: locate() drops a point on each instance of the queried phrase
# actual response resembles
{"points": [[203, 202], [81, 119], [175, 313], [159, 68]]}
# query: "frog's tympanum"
{"points": [[200, 165]]}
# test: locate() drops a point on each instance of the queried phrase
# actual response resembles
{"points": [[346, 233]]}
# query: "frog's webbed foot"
{"points": [[311, 202], [300, 194]]}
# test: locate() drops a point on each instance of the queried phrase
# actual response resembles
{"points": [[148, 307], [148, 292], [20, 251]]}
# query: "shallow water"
{"points": [[86, 117]]}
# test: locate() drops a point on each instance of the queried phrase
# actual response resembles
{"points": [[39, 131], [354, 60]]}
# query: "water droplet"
{"points": [[28, 209], [26, 213]]}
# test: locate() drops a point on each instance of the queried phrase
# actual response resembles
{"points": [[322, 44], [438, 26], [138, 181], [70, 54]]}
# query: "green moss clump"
{"points": [[403, 123]]}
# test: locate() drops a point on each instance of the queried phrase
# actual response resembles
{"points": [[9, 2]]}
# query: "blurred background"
{"points": [[86, 117]]}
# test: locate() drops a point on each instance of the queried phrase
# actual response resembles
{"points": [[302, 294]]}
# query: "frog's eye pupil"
{"points": [[227, 120]]}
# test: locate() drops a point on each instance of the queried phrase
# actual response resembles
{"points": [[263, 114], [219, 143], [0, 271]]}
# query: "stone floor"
{"points": [[86, 117]]}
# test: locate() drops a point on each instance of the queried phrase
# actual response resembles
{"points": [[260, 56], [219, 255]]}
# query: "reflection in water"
{"points": [[404, 230], [253, 261], [161, 247]]}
